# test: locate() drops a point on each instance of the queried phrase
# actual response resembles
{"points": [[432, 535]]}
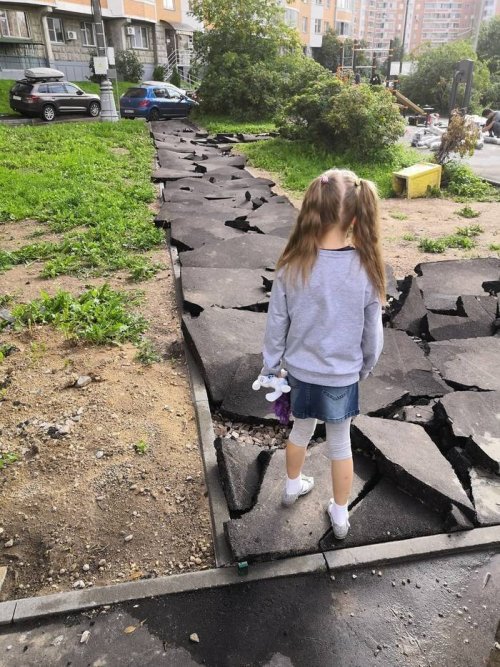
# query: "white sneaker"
{"points": [[307, 484], [339, 530]]}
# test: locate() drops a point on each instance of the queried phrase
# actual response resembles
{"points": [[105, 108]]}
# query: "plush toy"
{"points": [[276, 382]]}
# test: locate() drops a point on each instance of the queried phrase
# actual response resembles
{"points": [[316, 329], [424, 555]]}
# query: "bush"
{"points": [[343, 116], [175, 77], [303, 117], [128, 66], [462, 182], [159, 73], [365, 117]]}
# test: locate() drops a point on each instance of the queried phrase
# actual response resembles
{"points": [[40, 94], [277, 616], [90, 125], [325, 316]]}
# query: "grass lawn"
{"points": [[215, 124], [296, 163], [87, 86], [89, 182]]}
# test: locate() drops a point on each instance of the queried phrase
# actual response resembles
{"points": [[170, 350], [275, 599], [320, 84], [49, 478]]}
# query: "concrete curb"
{"points": [[219, 512], [25, 609], [413, 549], [390, 553], [38, 121]]}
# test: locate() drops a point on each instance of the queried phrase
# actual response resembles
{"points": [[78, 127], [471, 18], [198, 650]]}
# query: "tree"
{"points": [[488, 46], [243, 54], [431, 83]]}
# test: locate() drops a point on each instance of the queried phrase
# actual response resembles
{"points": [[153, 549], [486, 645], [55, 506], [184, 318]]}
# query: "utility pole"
{"points": [[403, 41], [477, 23], [108, 108]]}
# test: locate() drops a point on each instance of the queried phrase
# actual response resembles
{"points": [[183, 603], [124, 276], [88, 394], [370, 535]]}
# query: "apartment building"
{"points": [[427, 21], [60, 33], [312, 18]]}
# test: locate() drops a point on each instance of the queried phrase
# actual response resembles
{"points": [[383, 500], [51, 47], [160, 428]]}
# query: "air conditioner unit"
{"points": [[130, 30], [71, 35]]}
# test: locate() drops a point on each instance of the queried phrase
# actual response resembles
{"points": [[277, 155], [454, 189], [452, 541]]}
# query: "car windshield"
{"points": [[136, 92]]}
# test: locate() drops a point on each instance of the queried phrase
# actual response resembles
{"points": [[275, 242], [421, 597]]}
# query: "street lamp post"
{"points": [[108, 108]]}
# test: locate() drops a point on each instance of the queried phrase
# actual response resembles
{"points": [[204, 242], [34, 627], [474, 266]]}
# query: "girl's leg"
{"points": [[339, 450], [296, 446], [296, 483]]}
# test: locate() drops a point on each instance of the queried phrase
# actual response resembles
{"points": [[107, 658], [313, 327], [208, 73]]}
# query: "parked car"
{"points": [[155, 101], [43, 92]]}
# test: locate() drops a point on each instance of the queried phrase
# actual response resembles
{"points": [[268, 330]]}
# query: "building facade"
{"points": [[420, 21], [61, 34]]}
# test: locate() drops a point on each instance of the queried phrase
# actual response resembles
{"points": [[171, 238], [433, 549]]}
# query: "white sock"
{"points": [[339, 513], [293, 485]]}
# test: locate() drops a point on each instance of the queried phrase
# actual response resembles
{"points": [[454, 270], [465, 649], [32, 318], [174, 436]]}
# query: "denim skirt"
{"points": [[328, 404]]}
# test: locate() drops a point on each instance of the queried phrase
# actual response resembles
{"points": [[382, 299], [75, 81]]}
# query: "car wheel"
{"points": [[154, 114], [48, 112], [94, 109]]}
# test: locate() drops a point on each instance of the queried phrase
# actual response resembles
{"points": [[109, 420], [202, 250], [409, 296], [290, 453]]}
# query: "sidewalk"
{"points": [[442, 612]]}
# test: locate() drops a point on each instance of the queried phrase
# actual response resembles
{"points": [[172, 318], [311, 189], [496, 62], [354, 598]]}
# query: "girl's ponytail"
{"points": [[366, 235]]}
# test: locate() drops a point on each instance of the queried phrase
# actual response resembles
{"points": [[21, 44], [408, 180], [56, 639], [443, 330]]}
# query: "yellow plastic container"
{"points": [[413, 181]]}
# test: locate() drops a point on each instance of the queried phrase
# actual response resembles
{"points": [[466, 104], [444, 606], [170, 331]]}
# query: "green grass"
{"points": [[73, 178], [7, 458], [141, 447], [297, 163], [409, 237], [495, 247], [100, 315], [87, 86], [464, 185], [462, 238], [215, 124], [397, 215], [147, 354], [468, 212]]}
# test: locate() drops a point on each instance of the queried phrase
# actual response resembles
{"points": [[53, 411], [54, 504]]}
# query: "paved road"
{"points": [[485, 162], [445, 614]]}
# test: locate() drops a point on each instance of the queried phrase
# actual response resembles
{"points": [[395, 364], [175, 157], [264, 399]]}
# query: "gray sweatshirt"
{"points": [[329, 331]]}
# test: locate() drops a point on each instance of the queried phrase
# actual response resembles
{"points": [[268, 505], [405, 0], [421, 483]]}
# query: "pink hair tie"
{"points": [[324, 178]]}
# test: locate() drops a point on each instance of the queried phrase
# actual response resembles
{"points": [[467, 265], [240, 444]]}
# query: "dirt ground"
{"points": [[82, 507], [429, 218]]}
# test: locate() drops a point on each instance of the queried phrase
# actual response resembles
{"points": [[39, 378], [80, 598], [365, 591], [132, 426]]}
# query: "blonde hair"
{"points": [[337, 197]]}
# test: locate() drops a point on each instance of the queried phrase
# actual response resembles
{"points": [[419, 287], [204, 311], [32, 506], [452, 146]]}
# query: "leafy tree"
{"points": [[491, 96], [488, 46], [243, 55], [431, 83]]}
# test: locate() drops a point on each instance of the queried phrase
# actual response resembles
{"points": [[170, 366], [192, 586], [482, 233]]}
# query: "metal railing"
{"points": [[180, 58]]}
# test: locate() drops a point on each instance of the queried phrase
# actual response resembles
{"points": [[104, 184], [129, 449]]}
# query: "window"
{"points": [[88, 33], [72, 90], [168, 4], [292, 18], [317, 26], [140, 39], [326, 26], [56, 33], [57, 88], [161, 92], [13, 24], [304, 24]]}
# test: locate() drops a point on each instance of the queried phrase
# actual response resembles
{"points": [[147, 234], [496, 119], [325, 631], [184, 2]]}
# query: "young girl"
{"points": [[324, 325]]}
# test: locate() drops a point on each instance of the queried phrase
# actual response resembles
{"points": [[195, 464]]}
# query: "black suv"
{"points": [[44, 93]]}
